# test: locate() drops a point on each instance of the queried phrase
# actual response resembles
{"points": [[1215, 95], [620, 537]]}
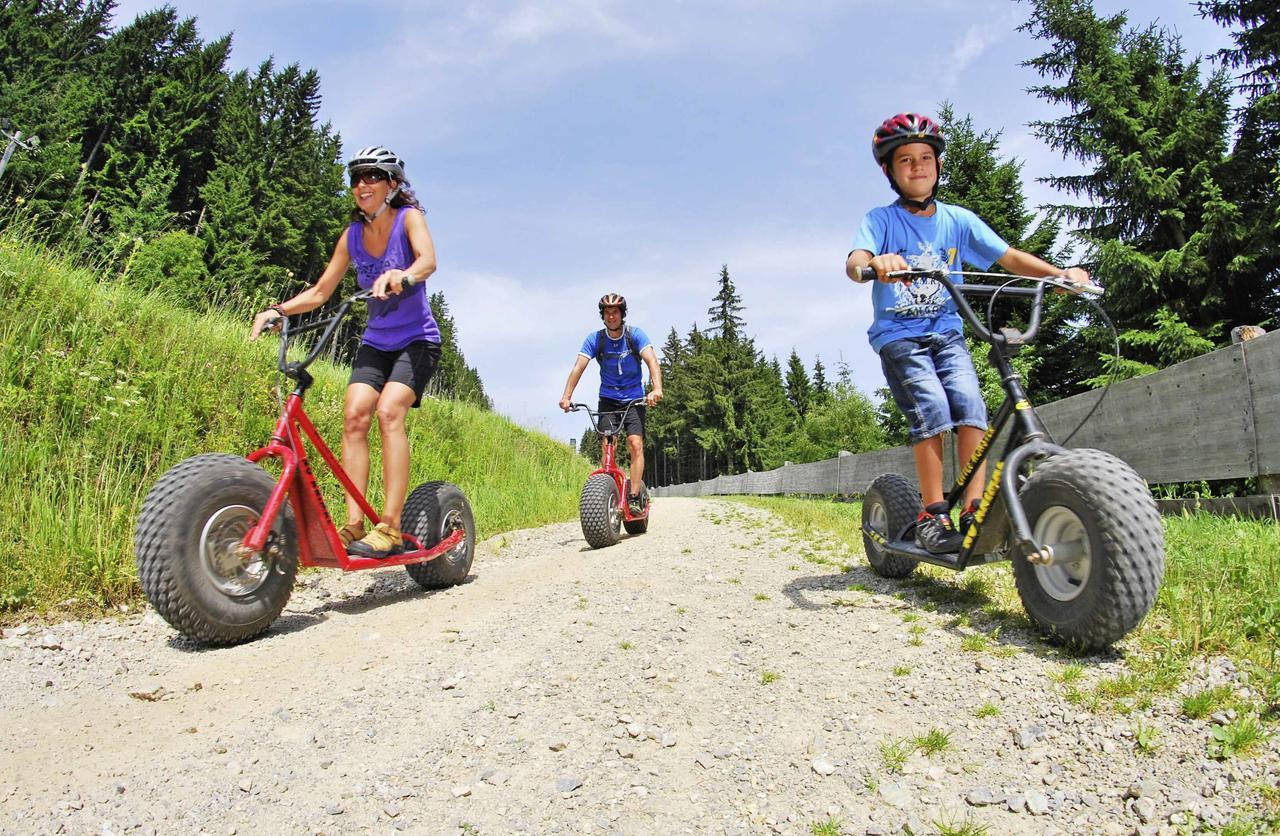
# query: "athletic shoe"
{"points": [[936, 534]]}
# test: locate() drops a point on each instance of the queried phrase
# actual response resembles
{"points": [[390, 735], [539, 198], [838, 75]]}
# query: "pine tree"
{"points": [[821, 388], [799, 389], [1161, 223], [725, 319]]}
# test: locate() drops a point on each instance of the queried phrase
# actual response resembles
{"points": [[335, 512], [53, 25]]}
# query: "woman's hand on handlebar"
{"points": [[268, 320], [391, 283]]}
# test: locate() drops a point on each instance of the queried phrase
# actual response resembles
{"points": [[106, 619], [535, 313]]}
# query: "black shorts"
{"points": [[611, 412], [412, 365]]}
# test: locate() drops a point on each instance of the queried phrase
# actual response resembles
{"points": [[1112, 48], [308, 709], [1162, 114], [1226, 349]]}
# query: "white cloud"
{"points": [[523, 334]]}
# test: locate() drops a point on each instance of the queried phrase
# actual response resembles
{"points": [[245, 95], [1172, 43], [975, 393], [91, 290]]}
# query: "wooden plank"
{"points": [[1188, 422], [1262, 364]]}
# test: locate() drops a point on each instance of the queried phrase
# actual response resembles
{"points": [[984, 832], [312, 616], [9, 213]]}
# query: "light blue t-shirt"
{"points": [[951, 237], [620, 375]]}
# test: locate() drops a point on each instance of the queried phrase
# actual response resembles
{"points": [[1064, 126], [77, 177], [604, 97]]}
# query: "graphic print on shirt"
{"points": [[922, 297]]}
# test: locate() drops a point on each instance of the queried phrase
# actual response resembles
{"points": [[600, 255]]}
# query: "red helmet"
{"points": [[904, 128], [613, 300]]}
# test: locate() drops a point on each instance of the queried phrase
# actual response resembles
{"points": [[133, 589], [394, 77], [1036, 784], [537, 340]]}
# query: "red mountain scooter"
{"points": [[602, 507], [218, 547]]}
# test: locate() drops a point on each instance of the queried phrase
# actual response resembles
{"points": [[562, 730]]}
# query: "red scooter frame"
{"points": [[608, 457], [318, 540]]}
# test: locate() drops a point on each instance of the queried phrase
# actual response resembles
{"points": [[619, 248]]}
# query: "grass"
{"points": [[932, 742], [1242, 736], [1206, 701], [964, 827], [769, 677], [103, 389], [1146, 737], [830, 826], [894, 754], [987, 709]]}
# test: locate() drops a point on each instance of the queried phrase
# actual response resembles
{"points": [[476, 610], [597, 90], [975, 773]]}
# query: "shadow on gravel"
{"points": [[972, 614], [383, 590]]}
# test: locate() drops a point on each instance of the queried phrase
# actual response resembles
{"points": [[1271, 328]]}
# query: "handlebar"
{"points": [[594, 415], [1005, 336], [329, 323]]}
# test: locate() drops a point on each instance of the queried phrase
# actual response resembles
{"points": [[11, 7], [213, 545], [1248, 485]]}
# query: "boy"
{"points": [[915, 328]]}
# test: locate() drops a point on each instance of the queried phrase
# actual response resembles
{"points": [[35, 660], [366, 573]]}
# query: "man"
{"points": [[619, 348]]}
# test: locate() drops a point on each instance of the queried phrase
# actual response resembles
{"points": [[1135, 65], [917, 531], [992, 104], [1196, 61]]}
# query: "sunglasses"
{"points": [[368, 175]]}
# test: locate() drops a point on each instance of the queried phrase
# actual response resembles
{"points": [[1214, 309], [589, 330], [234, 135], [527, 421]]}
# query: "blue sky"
{"points": [[566, 148]]}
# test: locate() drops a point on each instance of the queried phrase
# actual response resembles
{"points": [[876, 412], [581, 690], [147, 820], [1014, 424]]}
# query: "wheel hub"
{"points": [[453, 522], [1059, 529], [229, 567]]}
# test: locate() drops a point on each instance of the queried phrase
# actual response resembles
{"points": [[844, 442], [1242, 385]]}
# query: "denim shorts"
{"points": [[933, 382]]}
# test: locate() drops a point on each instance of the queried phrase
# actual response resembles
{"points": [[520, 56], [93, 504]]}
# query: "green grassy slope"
{"points": [[103, 388]]}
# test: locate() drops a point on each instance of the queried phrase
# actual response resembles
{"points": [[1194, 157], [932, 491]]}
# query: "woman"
{"points": [[393, 254]]}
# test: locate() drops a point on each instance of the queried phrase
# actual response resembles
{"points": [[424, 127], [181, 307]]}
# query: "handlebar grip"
{"points": [[867, 274]]}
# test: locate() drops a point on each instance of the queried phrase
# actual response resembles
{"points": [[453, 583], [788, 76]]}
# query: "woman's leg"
{"points": [[393, 406], [357, 418]]}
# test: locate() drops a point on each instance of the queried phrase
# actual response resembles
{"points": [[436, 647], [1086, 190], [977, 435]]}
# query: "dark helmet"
{"points": [[613, 300], [375, 156], [904, 128]]}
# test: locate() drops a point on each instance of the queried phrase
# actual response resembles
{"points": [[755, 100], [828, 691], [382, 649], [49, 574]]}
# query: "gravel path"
{"points": [[696, 679]]}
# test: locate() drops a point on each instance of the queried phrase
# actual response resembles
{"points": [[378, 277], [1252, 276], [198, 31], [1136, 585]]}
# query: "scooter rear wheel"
{"points": [[1098, 517], [639, 526], [890, 504], [431, 513], [186, 545]]}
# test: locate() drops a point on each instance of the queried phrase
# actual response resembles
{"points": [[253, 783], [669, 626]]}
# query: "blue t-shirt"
{"points": [[620, 376], [951, 237]]}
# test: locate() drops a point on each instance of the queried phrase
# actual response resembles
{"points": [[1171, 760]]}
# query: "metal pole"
{"points": [[14, 140]]}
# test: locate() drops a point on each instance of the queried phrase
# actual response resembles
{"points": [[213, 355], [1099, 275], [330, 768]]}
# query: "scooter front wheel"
{"points": [[1098, 518], [599, 511], [187, 545]]}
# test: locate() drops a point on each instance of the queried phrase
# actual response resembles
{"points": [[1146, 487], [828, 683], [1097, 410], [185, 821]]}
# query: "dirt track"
{"points": [[699, 678]]}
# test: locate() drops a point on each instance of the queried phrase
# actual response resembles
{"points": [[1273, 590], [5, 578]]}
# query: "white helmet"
{"points": [[375, 156]]}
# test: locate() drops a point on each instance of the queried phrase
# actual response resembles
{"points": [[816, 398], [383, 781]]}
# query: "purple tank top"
{"points": [[398, 320]]}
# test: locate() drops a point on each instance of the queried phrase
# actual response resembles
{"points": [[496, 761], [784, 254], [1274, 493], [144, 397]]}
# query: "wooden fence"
{"points": [[1216, 416]]}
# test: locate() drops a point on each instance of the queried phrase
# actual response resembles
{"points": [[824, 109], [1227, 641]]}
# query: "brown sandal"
{"points": [[351, 532]]}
